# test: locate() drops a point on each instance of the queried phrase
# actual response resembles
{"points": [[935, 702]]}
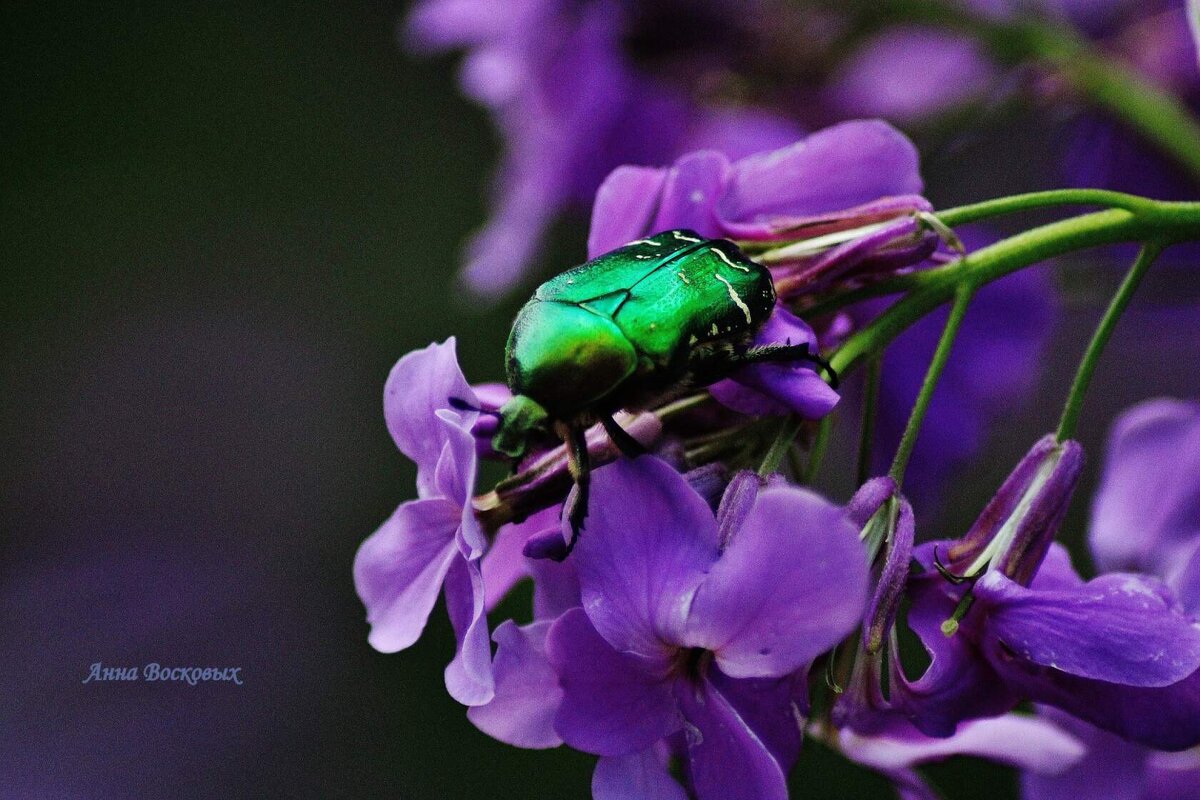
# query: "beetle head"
{"points": [[521, 419]]}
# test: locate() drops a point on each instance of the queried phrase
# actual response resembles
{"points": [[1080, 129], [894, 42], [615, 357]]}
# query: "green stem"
{"points": [[1158, 116], [1163, 222], [974, 212], [820, 444], [1120, 300], [962, 298], [866, 439], [788, 428]]}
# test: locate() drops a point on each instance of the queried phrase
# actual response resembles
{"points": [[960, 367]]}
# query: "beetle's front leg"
{"points": [[629, 446], [579, 465], [780, 353]]}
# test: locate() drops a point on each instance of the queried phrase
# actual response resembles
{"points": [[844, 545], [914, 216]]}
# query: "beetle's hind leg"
{"points": [[580, 467], [777, 353], [629, 446]]}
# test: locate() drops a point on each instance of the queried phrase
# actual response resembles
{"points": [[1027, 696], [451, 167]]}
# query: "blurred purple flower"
{"points": [[1146, 513], [434, 541], [681, 643], [573, 101], [1035, 745]]}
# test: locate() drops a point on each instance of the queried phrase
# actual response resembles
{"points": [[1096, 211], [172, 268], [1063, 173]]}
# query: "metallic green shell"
{"points": [[657, 298]]}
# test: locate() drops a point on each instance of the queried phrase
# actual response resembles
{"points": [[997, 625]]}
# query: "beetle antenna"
{"points": [[458, 404]]}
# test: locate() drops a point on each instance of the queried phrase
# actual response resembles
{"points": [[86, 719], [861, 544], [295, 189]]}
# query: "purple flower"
{"points": [[908, 73], [1146, 513], [1116, 651], [433, 542], [790, 193], [686, 645], [1146, 517]]}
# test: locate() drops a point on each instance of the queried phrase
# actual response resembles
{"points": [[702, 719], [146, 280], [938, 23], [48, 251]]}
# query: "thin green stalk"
{"points": [[820, 444], [1164, 222], [962, 298], [788, 428], [961, 215], [866, 439], [1120, 300]]}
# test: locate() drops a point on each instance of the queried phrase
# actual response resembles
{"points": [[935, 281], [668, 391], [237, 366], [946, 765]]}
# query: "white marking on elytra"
{"points": [[643, 241], [715, 330], [735, 297], [725, 258], [683, 238], [683, 277]]}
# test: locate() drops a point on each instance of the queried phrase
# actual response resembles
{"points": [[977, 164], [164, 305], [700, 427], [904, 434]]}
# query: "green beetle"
{"points": [[630, 329]]}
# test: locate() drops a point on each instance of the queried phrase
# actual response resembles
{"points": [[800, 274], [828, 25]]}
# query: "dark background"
{"points": [[222, 224]]}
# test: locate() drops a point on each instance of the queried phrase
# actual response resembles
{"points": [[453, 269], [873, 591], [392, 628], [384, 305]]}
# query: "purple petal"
{"points": [[421, 384], [959, 683], [789, 586], [776, 389], [454, 479], [499, 254], [504, 565], [555, 587], [1112, 767], [870, 159], [690, 194], [742, 131], [779, 388], [646, 545], [869, 498], [1148, 502], [469, 677], [625, 206], [909, 72], [527, 692], [637, 776], [881, 613], [613, 703], [1021, 741], [399, 570], [1118, 628], [1167, 718], [736, 504], [775, 709], [726, 758]]}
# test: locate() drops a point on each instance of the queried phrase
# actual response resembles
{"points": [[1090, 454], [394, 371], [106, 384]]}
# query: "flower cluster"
{"points": [[684, 628], [698, 609]]}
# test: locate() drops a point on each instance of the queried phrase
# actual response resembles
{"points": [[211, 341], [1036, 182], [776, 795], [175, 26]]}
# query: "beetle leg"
{"points": [[580, 468], [629, 446], [780, 353]]}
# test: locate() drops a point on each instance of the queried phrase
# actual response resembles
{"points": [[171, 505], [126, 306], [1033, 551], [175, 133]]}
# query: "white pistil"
{"points": [[1008, 531], [808, 247]]}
